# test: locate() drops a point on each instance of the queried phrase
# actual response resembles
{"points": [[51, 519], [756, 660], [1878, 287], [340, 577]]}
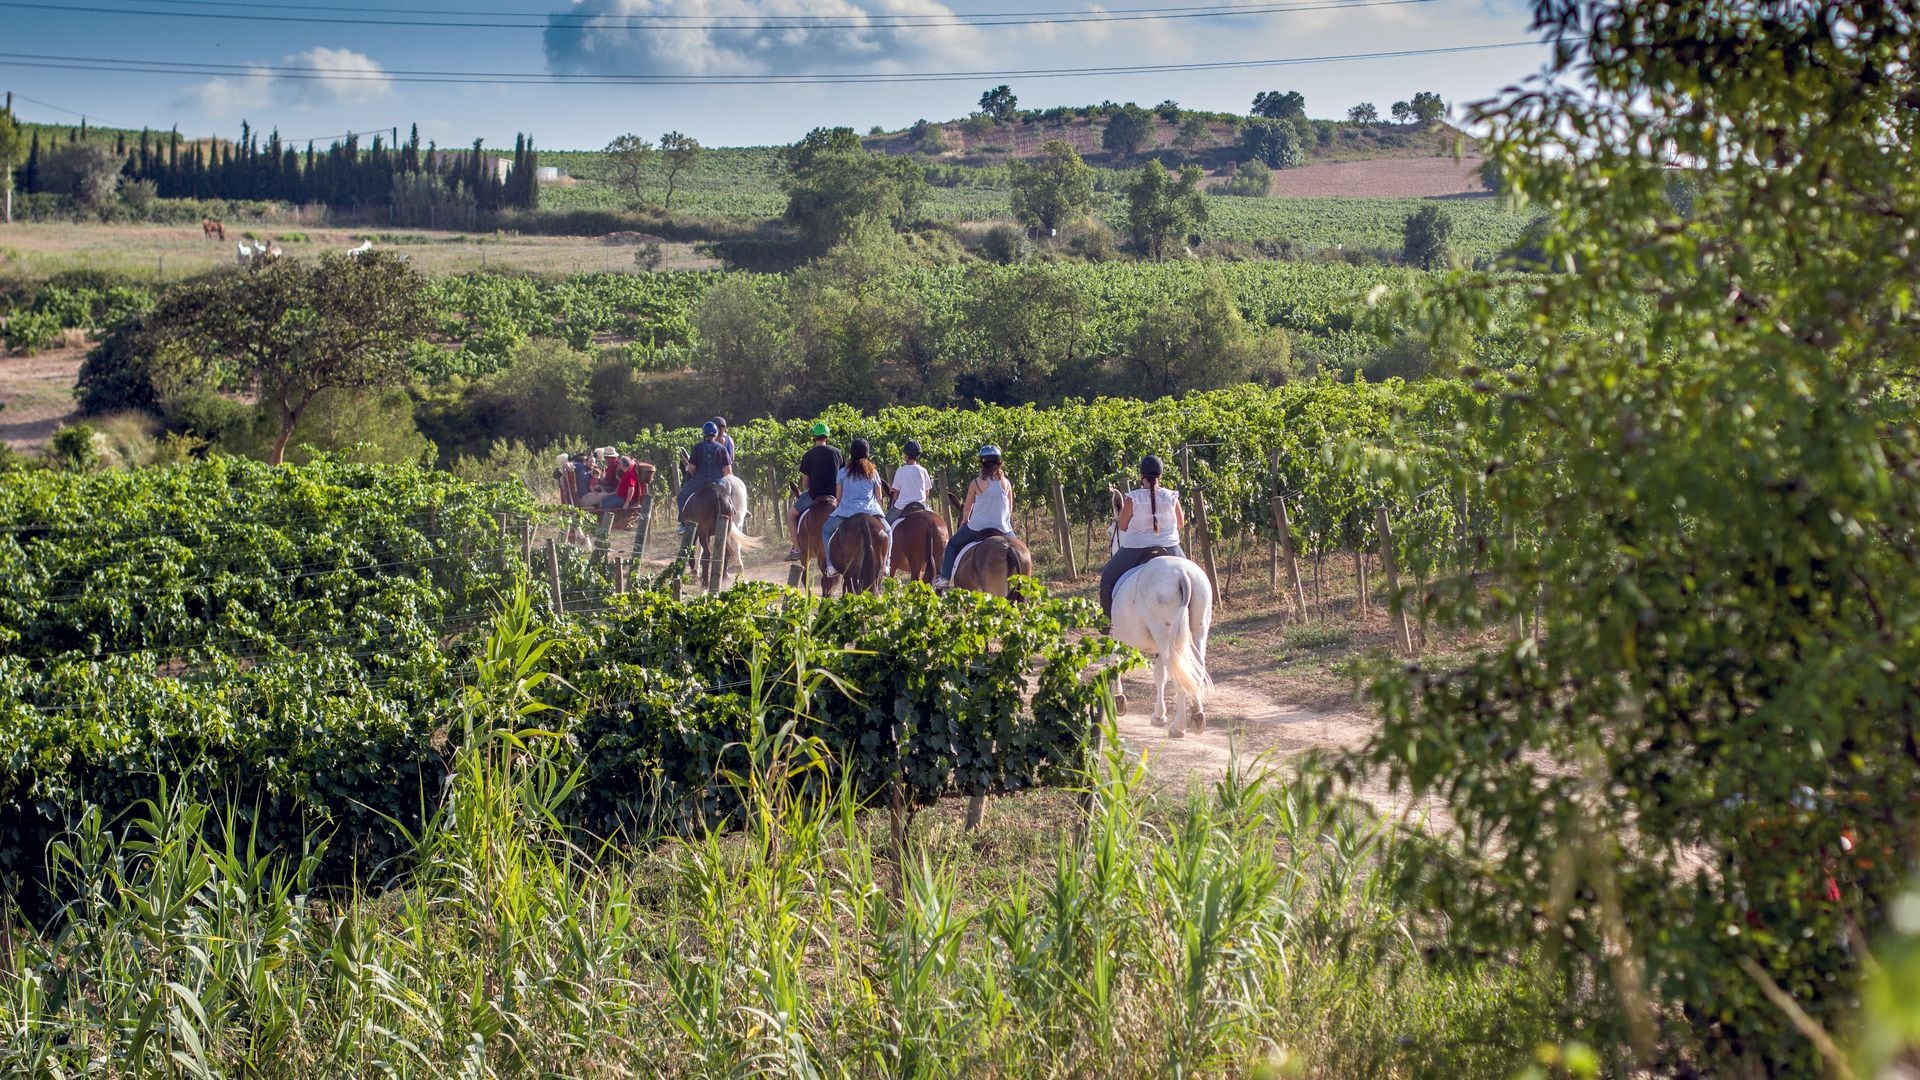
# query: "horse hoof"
{"points": [[1158, 721], [1175, 733], [1120, 702], [1199, 722]]}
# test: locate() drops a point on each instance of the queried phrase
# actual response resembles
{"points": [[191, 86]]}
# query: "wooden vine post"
{"points": [[620, 576], [553, 574], [1203, 533], [1396, 601], [526, 543], [940, 496], [1061, 529], [1283, 524]]}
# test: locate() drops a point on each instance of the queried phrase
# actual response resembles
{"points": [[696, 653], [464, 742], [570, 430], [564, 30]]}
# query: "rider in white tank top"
{"points": [[1149, 503], [992, 506]]}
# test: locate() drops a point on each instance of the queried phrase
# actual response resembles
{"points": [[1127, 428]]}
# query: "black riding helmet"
{"points": [[1150, 468], [859, 449], [912, 448]]}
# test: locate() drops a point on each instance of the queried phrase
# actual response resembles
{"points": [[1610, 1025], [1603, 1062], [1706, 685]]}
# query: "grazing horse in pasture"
{"points": [[988, 564], [1164, 608], [213, 230], [919, 539], [859, 551], [715, 514]]}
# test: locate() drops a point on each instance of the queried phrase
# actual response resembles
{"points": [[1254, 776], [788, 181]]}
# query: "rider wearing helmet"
{"points": [[1150, 518], [821, 466], [708, 462], [911, 484], [988, 507], [726, 440]]}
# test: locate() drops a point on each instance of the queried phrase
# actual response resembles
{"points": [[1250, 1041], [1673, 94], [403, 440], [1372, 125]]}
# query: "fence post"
{"points": [[640, 527], [526, 543], [620, 576], [940, 496], [1396, 602], [1205, 537], [976, 810], [1283, 524], [1061, 529], [553, 573]]}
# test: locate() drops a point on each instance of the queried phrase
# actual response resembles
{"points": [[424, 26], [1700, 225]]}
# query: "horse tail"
{"points": [[1183, 660], [936, 549]]}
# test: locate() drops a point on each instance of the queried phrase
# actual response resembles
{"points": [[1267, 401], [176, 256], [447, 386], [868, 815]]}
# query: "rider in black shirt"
{"points": [[821, 466]]}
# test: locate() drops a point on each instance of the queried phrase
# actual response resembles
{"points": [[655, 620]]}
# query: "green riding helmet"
{"points": [[821, 431]]}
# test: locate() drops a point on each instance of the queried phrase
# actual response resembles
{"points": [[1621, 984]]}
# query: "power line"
{"points": [[591, 23], [477, 78]]}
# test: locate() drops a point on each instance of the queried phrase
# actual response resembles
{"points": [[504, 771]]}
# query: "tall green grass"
{"points": [[1241, 928]]}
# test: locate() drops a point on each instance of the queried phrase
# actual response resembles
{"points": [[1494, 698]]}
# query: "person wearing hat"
{"points": [[821, 466], [911, 484], [1150, 518], [858, 489], [726, 440], [989, 506], [707, 463]]}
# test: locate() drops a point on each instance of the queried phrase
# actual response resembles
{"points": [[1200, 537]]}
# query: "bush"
{"points": [[1251, 179], [28, 332], [208, 416], [1006, 244], [73, 448], [1091, 240], [1276, 143], [1429, 238]]}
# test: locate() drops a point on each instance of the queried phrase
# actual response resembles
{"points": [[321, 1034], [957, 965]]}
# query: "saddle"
{"points": [[1124, 562]]}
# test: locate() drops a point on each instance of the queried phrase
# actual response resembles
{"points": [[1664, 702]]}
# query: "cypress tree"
{"points": [[30, 176]]}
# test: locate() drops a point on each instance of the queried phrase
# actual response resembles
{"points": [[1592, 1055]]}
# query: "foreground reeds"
{"points": [[1240, 929]]}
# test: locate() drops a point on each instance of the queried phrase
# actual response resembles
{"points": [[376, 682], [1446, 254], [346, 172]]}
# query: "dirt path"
{"points": [[37, 395]]}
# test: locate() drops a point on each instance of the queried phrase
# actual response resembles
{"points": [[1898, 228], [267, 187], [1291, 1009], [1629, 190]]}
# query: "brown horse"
{"points": [[860, 548], [213, 230], [919, 539], [988, 565], [712, 511], [806, 536]]}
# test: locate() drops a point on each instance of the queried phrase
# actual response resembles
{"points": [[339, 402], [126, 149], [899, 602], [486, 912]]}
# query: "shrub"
{"points": [[28, 332], [1276, 143], [1251, 179], [1429, 238], [1006, 244], [73, 448]]}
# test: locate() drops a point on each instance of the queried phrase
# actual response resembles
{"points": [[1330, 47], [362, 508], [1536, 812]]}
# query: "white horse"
{"points": [[1164, 608], [737, 537]]}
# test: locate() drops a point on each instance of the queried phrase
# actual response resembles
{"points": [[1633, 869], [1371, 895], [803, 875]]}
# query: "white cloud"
{"points": [[596, 36], [325, 77]]}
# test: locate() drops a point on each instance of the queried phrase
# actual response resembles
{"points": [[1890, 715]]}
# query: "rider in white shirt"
{"points": [[911, 484], [1150, 517]]}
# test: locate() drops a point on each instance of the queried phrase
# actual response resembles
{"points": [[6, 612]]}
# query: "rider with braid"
{"points": [[1149, 524], [987, 510]]}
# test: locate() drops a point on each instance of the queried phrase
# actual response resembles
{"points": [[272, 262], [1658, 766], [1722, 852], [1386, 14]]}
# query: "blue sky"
{"points": [[360, 85]]}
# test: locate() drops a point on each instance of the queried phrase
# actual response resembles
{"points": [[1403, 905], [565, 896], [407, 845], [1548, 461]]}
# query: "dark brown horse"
{"points": [[859, 548], [213, 230], [806, 536], [712, 511], [987, 565], [919, 539]]}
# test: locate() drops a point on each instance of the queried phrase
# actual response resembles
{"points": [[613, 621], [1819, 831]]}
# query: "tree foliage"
{"points": [[1700, 779], [1363, 113], [1276, 143], [1050, 190], [1428, 242], [1275, 105], [1426, 107], [1000, 104], [835, 188], [1162, 209], [681, 153], [1129, 129], [628, 158]]}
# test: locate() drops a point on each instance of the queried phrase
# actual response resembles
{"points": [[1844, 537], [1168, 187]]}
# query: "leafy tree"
{"points": [[1251, 178], [1000, 104], [1162, 209], [13, 151], [1488, 174], [289, 330], [1427, 107], [1129, 128], [88, 171], [1274, 105], [1402, 112], [835, 188], [1699, 780], [1363, 113], [931, 138], [1275, 143], [747, 343], [1168, 110], [1428, 238], [682, 155], [1199, 341], [628, 156], [1051, 189], [1195, 134], [1026, 336]]}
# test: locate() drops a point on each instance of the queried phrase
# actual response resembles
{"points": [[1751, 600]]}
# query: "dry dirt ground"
{"points": [[1383, 178], [168, 252], [36, 396]]}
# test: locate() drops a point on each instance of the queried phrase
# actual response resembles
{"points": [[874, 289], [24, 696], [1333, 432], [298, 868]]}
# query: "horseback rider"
{"points": [[708, 462], [988, 509], [910, 483], [725, 439], [858, 487], [821, 466], [1148, 526]]}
